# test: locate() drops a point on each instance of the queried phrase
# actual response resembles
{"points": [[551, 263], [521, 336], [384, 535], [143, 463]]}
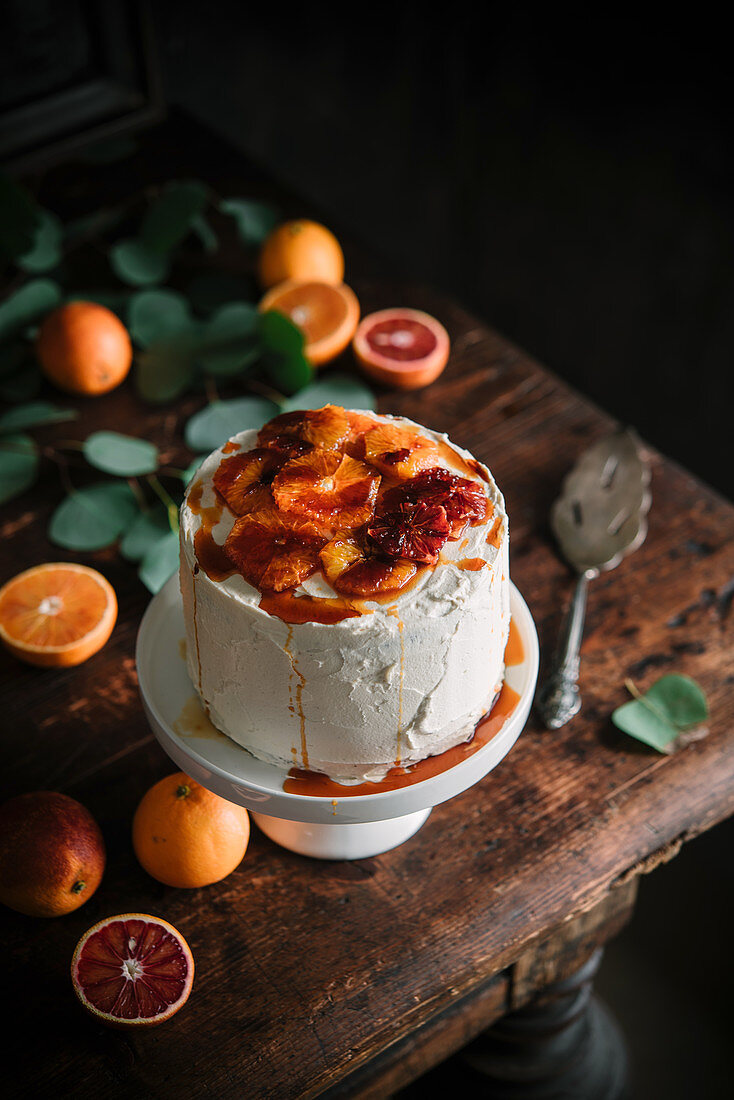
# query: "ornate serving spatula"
{"points": [[600, 516]]}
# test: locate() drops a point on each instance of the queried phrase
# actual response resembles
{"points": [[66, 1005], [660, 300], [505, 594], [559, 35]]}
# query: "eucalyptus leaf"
{"points": [[45, 252], [170, 217], [212, 289], [19, 219], [166, 368], [209, 240], [230, 340], [147, 528], [93, 517], [18, 465], [160, 562], [30, 302], [33, 415], [254, 220], [93, 225], [215, 424], [156, 314], [283, 359], [673, 705], [122, 455], [333, 389], [136, 263]]}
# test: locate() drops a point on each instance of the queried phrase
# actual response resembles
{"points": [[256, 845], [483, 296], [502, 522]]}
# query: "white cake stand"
{"points": [[343, 828]]}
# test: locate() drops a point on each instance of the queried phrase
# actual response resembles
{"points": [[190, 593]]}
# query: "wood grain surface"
{"points": [[309, 972]]}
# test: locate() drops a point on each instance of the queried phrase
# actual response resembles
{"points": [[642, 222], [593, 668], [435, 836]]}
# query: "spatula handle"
{"points": [[559, 698]]}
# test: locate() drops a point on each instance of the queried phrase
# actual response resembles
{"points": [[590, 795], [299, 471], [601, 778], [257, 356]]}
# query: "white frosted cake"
{"points": [[346, 591]]}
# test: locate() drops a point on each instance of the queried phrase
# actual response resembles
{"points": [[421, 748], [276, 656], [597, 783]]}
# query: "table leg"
{"points": [[565, 1043]]}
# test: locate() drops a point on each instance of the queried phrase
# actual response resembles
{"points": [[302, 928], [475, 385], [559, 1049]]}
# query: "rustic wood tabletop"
{"points": [[352, 978]]}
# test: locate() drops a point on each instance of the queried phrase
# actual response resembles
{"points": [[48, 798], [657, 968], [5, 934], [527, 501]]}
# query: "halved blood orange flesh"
{"points": [[132, 970], [327, 315], [57, 614], [404, 348]]}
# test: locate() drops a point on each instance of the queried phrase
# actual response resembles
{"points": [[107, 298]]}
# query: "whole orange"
{"points": [[184, 835], [84, 348], [301, 250], [52, 854]]}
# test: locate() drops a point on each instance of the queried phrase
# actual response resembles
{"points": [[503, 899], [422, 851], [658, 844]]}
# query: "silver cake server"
{"points": [[600, 516]]}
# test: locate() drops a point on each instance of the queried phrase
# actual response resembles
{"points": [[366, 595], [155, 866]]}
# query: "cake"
{"points": [[345, 590]]}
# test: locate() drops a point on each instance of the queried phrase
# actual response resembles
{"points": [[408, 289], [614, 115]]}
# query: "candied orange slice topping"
{"points": [[324, 485], [327, 428], [397, 451], [464, 501], [353, 572], [414, 531], [274, 552], [241, 479]]}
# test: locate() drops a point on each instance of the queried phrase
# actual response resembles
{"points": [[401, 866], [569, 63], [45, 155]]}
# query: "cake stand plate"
{"points": [[349, 827]]}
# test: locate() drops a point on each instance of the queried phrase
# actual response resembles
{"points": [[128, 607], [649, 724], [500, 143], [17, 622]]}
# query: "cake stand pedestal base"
{"points": [[348, 841]]}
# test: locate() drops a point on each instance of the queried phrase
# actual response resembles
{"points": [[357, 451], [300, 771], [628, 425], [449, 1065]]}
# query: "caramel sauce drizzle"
{"points": [[493, 535], [514, 650], [472, 564], [295, 704]]}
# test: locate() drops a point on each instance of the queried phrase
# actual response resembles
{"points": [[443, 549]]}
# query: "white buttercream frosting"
{"points": [[405, 679]]}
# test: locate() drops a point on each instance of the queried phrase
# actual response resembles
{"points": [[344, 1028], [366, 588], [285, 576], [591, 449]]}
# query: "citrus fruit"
{"points": [[132, 970], [57, 614], [404, 348], [52, 855], [184, 835], [300, 249], [84, 348], [326, 314]]}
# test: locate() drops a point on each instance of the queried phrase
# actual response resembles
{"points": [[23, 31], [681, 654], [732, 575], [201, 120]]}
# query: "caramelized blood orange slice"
{"points": [[327, 428], [326, 314], [132, 970], [351, 571], [463, 500], [325, 485], [238, 478], [57, 614], [404, 348], [274, 552], [398, 452], [413, 531]]}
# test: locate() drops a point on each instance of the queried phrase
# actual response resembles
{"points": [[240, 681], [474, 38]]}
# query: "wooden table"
{"points": [[352, 979]]}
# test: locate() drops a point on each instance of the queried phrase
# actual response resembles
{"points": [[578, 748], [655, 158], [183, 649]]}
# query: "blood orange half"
{"points": [[132, 970], [403, 348]]}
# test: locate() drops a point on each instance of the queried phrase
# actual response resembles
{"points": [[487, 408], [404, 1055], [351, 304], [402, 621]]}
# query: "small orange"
{"points": [[327, 315], [132, 970], [57, 614], [184, 835], [84, 348], [52, 855], [300, 249]]}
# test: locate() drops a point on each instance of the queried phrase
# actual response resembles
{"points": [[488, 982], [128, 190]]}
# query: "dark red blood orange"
{"points": [[403, 348], [132, 970]]}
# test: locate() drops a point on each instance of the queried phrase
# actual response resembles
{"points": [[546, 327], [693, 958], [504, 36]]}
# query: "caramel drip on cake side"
{"points": [[393, 611], [514, 650], [296, 705], [194, 575], [493, 535]]}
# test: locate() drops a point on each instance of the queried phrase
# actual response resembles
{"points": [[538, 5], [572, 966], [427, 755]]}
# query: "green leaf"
{"points": [[27, 305], [18, 465], [147, 529], [169, 218], [209, 240], [137, 264], [156, 314], [122, 455], [217, 288], [91, 518], [254, 220], [215, 424], [672, 705], [191, 469], [283, 360], [230, 340], [19, 219], [160, 562], [166, 368], [333, 389], [33, 415], [45, 252]]}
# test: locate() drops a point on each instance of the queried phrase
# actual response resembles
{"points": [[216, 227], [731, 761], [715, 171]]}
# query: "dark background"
{"points": [[570, 180]]}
